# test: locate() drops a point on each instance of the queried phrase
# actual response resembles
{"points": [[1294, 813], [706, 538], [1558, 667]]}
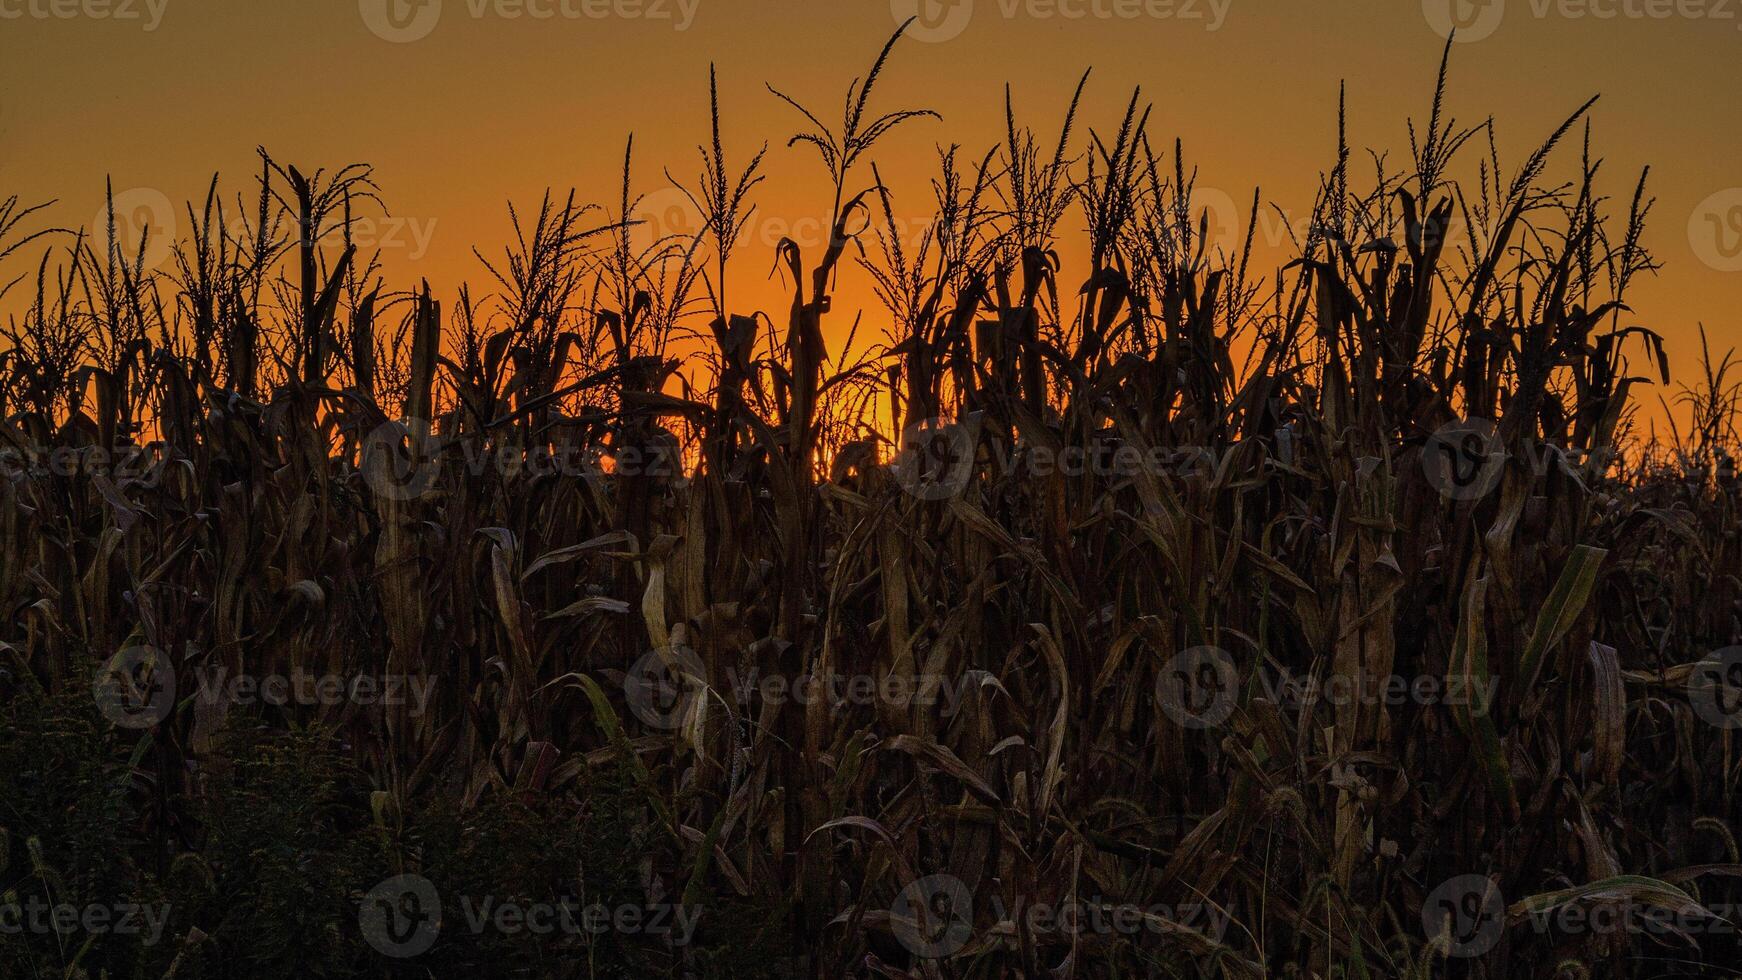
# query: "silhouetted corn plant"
{"points": [[346, 480]]}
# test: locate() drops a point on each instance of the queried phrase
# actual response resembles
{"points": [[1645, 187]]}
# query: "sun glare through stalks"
{"points": [[1101, 600]]}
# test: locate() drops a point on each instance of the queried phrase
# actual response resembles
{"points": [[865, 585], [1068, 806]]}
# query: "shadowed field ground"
{"points": [[1164, 618]]}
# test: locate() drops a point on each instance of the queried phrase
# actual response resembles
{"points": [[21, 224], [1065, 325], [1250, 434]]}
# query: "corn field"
{"points": [[1143, 615]]}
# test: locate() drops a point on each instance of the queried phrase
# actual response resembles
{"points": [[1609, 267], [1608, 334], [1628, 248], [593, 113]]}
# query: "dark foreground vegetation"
{"points": [[1200, 627]]}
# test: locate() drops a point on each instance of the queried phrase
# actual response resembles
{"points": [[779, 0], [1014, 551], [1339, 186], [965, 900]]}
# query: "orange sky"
{"points": [[463, 105]]}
